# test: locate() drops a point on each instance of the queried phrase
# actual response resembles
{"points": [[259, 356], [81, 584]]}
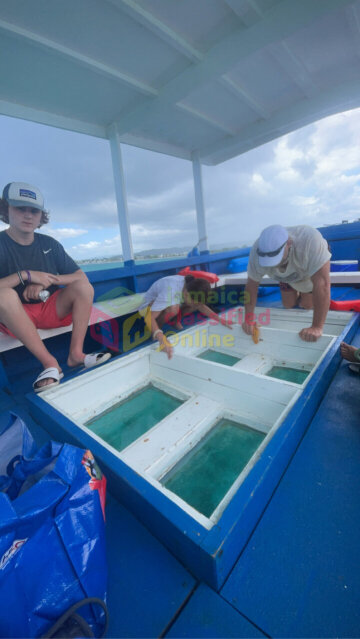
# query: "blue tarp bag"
{"points": [[52, 536]]}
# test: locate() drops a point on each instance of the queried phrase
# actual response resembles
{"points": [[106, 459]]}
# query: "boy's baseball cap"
{"points": [[22, 194], [271, 245]]}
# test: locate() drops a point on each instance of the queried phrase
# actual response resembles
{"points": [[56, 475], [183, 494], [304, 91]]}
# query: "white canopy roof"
{"points": [[205, 79]]}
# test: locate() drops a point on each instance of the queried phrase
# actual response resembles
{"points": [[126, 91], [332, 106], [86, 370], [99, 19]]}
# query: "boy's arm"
{"points": [[36, 277], [63, 280]]}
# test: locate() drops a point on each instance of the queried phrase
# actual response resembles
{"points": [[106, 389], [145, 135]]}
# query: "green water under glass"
{"points": [[294, 375], [206, 474], [219, 358], [123, 423]]}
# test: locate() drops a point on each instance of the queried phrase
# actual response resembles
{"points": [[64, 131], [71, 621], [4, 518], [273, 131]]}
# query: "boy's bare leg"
{"points": [[12, 314], [76, 298]]}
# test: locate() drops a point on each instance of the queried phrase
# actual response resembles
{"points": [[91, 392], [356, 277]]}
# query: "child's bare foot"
{"points": [[348, 352]]}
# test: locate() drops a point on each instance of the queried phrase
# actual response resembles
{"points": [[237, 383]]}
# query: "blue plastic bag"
{"points": [[52, 541]]}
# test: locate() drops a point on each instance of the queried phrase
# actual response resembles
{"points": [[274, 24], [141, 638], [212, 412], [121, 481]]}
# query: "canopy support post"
{"points": [[121, 199], [200, 209]]}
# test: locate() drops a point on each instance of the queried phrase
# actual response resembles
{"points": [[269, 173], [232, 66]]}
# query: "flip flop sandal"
{"points": [[355, 368], [48, 373], [95, 359]]}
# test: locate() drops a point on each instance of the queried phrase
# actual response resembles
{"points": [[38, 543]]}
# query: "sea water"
{"points": [[219, 358], [295, 375], [204, 476], [125, 422]]}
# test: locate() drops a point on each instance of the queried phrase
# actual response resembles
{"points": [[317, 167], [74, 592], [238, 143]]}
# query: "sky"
{"points": [[311, 176]]}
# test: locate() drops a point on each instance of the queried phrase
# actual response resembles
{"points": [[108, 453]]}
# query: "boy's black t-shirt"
{"points": [[44, 254]]}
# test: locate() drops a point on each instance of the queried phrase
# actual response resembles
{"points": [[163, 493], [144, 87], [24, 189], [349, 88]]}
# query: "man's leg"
{"points": [[289, 295], [13, 315], [76, 298], [306, 301]]}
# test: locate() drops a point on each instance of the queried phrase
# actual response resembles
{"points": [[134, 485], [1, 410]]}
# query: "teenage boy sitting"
{"points": [[29, 264]]}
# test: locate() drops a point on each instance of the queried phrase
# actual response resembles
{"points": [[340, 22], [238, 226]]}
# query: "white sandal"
{"points": [[48, 373], [355, 367], [95, 359]]}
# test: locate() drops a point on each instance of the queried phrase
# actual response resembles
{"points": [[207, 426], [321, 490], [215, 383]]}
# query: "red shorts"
{"points": [[43, 315]]}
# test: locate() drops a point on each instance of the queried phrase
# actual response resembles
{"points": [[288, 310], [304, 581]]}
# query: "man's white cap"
{"points": [[271, 245], [22, 194]]}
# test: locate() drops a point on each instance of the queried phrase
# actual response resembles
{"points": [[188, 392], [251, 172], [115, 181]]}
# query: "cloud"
{"points": [[259, 184], [89, 246], [63, 233], [311, 176]]}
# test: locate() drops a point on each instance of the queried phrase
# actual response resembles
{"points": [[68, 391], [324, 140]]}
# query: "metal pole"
{"points": [[120, 191], [200, 209]]}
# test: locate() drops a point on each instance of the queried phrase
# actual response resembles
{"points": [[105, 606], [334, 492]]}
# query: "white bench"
{"points": [[119, 306], [101, 311], [337, 278]]}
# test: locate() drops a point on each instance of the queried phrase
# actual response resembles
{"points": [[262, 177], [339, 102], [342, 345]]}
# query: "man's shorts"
{"points": [[284, 287], [43, 315]]}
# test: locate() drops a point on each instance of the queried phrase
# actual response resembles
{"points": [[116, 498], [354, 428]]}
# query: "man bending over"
{"points": [[299, 259]]}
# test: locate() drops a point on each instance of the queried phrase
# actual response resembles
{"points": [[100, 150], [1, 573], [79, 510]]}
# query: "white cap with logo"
{"points": [[271, 245], [22, 194]]}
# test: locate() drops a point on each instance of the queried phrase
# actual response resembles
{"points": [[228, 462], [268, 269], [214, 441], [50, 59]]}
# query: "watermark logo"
{"points": [[135, 332], [135, 328]]}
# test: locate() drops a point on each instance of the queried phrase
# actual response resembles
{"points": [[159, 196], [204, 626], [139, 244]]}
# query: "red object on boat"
{"points": [[210, 277], [346, 305]]}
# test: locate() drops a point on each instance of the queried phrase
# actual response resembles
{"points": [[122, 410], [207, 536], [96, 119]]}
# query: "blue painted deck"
{"points": [[298, 575]]}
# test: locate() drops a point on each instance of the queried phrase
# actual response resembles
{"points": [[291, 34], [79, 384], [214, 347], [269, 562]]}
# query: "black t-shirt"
{"points": [[44, 254]]}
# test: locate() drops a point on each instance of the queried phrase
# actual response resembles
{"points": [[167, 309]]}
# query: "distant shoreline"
{"points": [[147, 257]]}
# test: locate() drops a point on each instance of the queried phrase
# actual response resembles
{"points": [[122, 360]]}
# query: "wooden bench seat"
{"points": [[101, 311], [337, 278]]}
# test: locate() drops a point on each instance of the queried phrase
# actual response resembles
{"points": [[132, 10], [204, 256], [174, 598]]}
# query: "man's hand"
{"points": [[247, 328], [310, 334], [32, 292], [45, 279]]}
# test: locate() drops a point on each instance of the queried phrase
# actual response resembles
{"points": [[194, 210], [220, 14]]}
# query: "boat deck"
{"points": [[297, 575]]}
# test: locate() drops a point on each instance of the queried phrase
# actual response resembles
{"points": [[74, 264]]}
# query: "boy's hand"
{"points": [[32, 292]]}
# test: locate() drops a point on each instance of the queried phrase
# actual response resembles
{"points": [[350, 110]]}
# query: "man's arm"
{"points": [[251, 293], [321, 302]]}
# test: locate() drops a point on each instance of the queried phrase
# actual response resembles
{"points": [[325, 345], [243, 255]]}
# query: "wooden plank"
{"points": [[173, 437], [337, 278]]}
